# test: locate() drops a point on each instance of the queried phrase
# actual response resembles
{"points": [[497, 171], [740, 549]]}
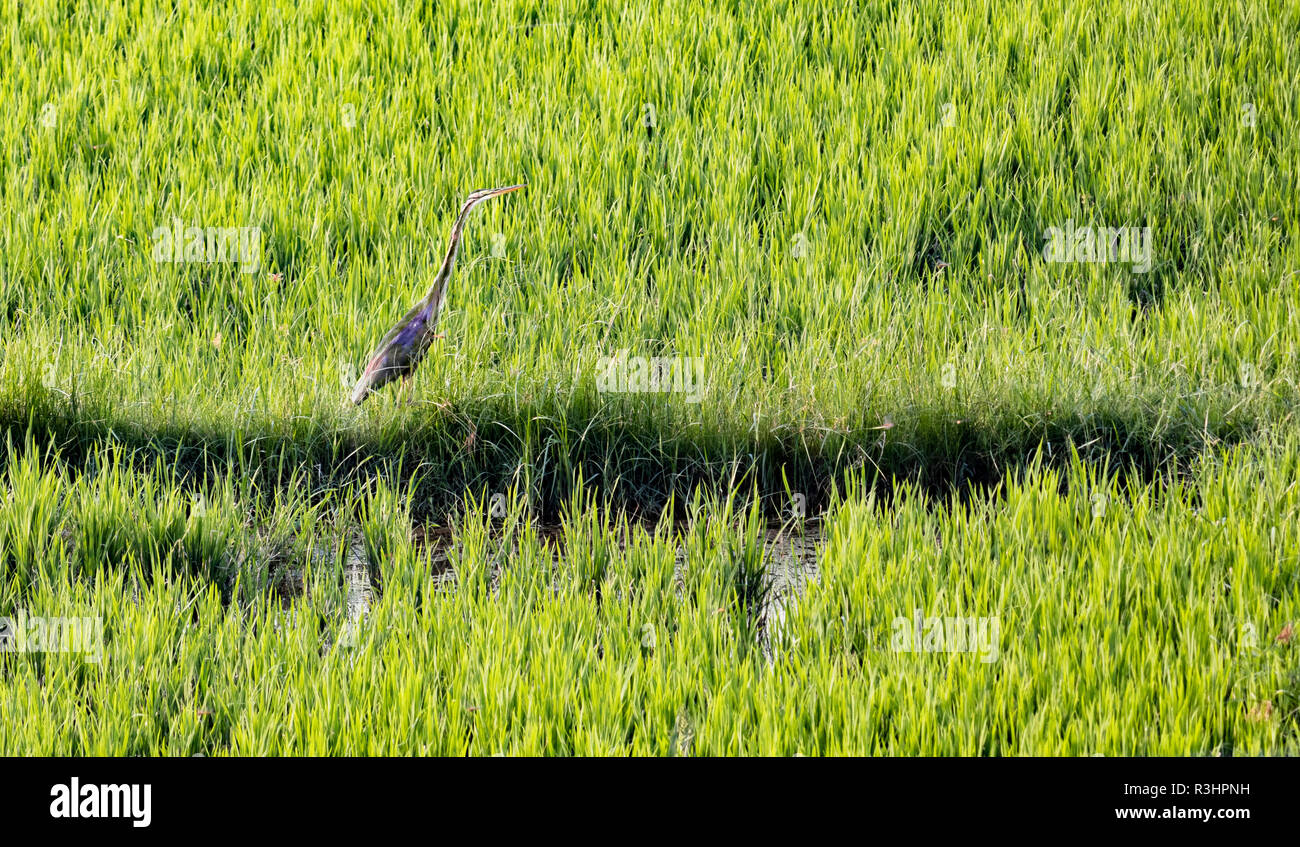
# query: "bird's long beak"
{"points": [[498, 191]]}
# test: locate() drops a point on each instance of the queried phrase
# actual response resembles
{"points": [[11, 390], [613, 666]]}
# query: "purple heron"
{"points": [[404, 347]]}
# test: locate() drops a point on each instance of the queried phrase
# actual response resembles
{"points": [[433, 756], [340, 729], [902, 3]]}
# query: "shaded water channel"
{"points": [[790, 559]]}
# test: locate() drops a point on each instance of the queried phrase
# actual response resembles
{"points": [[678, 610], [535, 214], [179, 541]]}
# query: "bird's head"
{"points": [[482, 194]]}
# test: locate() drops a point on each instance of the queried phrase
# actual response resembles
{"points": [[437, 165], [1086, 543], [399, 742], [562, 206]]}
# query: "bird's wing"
{"points": [[405, 331], [398, 351]]}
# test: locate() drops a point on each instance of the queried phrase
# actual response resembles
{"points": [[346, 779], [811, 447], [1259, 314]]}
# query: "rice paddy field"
{"points": [[944, 489]]}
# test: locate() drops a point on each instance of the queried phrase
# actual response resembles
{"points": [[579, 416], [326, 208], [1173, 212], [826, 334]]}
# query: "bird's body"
{"points": [[405, 345], [398, 354]]}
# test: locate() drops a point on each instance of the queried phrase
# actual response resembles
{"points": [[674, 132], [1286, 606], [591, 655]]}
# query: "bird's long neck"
{"points": [[438, 291]]}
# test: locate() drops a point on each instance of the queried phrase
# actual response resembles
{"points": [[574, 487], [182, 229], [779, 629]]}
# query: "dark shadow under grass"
{"points": [[489, 447]]}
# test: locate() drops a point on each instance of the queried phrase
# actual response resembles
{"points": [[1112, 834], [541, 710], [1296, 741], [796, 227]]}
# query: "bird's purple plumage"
{"points": [[400, 354]]}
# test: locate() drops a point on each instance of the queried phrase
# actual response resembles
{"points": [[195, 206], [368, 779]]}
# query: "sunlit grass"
{"points": [[841, 210], [1149, 625], [918, 156]]}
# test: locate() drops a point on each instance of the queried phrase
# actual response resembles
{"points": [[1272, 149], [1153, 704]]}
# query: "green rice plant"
{"points": [[843, 215], [1131, 618], [32, 516]]}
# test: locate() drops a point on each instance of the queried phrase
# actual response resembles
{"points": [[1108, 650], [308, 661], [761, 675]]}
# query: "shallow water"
{"points": [[791, 557]]}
